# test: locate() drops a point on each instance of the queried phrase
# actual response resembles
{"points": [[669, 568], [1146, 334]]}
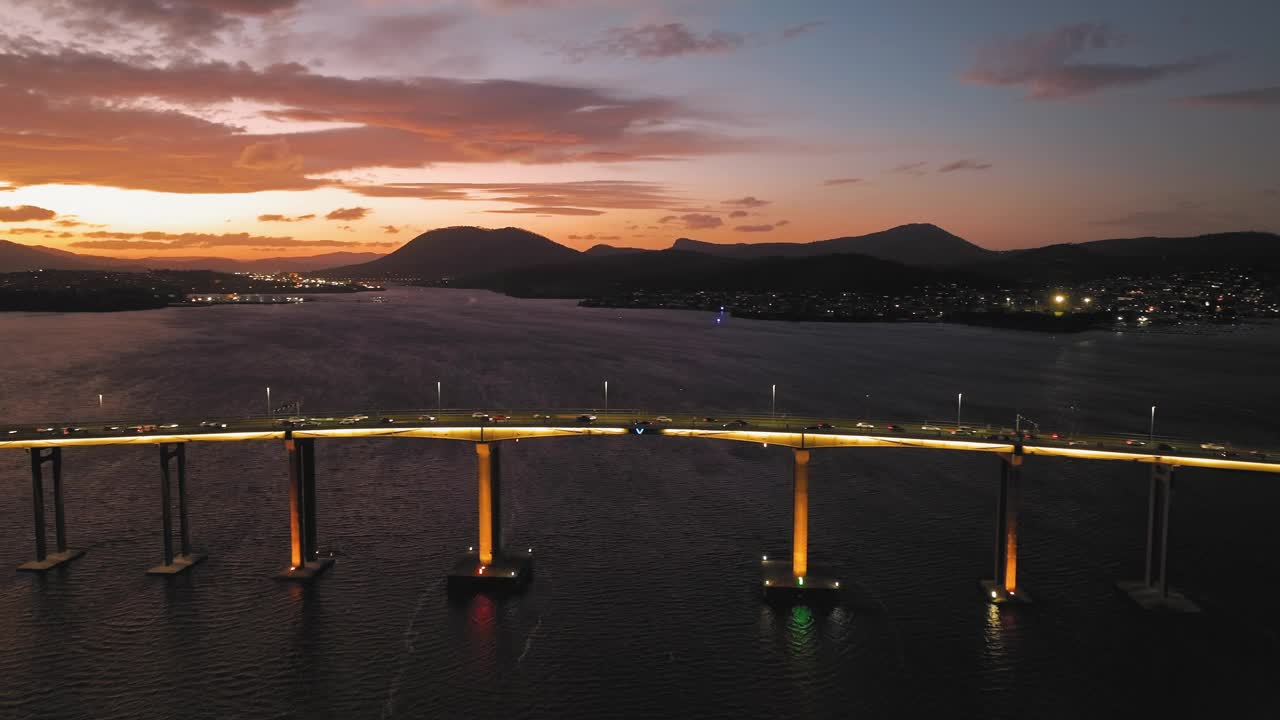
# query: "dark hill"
{"points": [[456, 251], [16, 257], [602, 250], [919, 244], [1135, 256]]}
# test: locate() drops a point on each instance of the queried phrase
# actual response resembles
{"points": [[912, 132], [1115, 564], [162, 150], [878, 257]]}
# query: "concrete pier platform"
{"points": [[994, 592], [50, 561], [779, 584], [181, 563], [1148, 597], [507, 573], [307, 572]]}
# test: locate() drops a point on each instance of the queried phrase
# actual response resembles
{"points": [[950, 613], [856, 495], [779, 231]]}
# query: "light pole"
{"points": [[606, 396], [439, 401], [1151, 429], [99, 401], [270, 414], [959, 405], [773, 402]]}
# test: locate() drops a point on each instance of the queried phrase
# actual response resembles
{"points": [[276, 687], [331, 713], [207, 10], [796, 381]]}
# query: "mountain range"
{"points": [[16, 257], [525, 263]]}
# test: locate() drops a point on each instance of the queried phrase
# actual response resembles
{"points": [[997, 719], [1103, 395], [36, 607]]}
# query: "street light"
{"points": [[773, 403], [606, 396], [1151, 429], [959, 405], [439, 402], [99, 401], [270, 413]]}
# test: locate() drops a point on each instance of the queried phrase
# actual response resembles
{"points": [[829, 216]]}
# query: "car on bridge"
{"points": [[663, 419], [895, 428], [479, 415], [821, 426], [1213, 446], [212, 424], [736, 423], [427, 418], [865, 426], [586, 418]]}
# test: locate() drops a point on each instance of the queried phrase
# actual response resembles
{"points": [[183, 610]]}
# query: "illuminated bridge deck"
{"points": [[794, 432]]}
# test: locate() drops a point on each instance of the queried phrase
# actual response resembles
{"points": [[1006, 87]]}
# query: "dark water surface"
{"points": [[645, 602]]}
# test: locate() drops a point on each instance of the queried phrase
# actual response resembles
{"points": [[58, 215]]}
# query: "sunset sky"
{"points": [[247, 128]]}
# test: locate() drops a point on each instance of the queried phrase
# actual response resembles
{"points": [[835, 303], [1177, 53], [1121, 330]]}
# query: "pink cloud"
{"points": [[753, 228]]}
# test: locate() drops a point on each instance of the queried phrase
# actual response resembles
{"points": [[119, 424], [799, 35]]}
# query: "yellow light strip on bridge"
{"points": [[833, 440], [142, 439], [1175, 460]]}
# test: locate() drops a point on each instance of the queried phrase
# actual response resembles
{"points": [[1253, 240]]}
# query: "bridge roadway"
{"points": [[788, 431], [490, 564]]}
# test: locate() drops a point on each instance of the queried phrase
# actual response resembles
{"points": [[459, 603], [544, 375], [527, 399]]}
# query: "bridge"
{"points": [[489, 564]]}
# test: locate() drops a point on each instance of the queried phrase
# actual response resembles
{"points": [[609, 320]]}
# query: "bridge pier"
{"points": [[487, 566], [45, 560], [304, 560], [790, 581], [174, 564], [1003, 587], [1153, 591]]}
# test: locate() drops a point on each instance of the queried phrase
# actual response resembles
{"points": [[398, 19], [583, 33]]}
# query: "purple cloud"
{"points": [[841, 181], [1251, 98], [753, 228], [1046, 64], [964, 165], [915, 168], [749, 201], [654, 42]]}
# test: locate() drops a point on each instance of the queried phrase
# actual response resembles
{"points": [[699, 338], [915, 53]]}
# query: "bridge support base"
{"points": [[506, 573], [304, 573], [181, 563], [1003, 587], [1152, 592], [779, 583], [44, 560], [50, 561]]}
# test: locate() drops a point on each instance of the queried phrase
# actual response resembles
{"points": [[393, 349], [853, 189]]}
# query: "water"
{"points": [[645, 602]]}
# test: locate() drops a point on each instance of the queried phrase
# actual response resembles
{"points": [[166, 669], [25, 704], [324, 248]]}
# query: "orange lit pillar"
{"points": [[489, 475], [296, 557], [1006, 570], [800, 514]]}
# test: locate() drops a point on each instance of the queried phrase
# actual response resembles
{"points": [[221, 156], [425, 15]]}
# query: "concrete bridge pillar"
{"points": [[1153, 591], [172, 564], [44, 560], [797, 580], [304, 560], [486, 566], [1003, 585], [800, 513], [489, 475]]}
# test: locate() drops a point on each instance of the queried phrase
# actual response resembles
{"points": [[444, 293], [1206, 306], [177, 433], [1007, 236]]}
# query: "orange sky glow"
{"points": [[297, 127]]}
